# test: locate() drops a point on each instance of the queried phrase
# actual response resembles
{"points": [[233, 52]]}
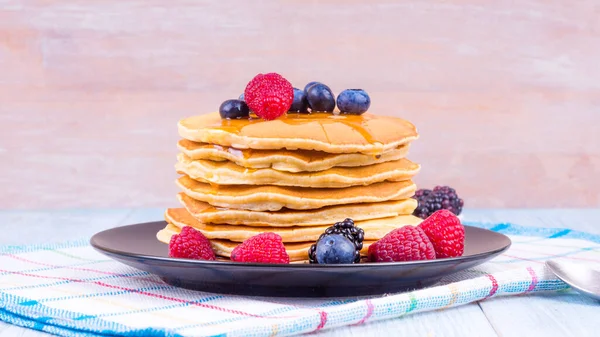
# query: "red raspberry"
{"points": [[261, 248], [269, 95], [190, 244], [446, 233], [406, 243]]}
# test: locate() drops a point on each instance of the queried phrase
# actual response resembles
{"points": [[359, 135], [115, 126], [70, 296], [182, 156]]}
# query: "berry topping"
{"points": [[241, 98], [446, 233], [234, 109], [299, 104], [310, 84], [334, 249], [441, 197], [406, 243], [353, 101], [269, 95], [320, 98], [190, 244], [262, 248], [346, 228]]}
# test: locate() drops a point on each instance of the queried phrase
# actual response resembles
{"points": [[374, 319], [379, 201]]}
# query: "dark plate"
{"points": [[137, 246]]}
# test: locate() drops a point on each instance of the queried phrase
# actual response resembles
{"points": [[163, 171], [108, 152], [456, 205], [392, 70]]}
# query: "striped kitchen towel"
{"points": [[72, 290]]}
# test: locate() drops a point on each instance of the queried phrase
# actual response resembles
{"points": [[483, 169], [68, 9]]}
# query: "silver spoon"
{"points": [[583, 279]]}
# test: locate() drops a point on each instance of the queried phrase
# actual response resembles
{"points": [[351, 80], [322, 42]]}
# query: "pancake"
{"points": [[367, 133], [298, 251], [206, 213], [285, 160], [374, 229], [229, 173], [274, 198]]}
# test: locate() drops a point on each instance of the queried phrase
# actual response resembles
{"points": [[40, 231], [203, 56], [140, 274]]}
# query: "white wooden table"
{"points": [[559, 314]]}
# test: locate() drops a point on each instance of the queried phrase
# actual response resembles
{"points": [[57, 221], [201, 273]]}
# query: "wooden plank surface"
{"points": [[571, 315], [560, 314], [506, 95], [553, 315]]}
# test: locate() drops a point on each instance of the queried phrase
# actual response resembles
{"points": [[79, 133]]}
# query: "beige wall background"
{"points": [[506, 95]]}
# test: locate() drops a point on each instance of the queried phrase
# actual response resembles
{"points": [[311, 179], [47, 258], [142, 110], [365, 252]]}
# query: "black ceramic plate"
{"points": [[137, 246]]}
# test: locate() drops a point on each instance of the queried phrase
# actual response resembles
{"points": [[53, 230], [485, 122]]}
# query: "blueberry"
{"points": [[241, 98], [309, 84], [234, 109], [299, 104], [335, 249], [320, 98], [353, 101]]}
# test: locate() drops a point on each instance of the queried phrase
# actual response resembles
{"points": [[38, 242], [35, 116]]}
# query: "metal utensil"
{"points": [[584, 279]]}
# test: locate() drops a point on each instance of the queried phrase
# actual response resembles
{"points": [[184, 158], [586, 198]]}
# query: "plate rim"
{"points": [[207, 263]]}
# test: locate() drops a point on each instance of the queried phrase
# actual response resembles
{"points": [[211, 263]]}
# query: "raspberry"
{"points": [[190, 244], [269, 95], [406, 243], [446, 233], [262, 248]]}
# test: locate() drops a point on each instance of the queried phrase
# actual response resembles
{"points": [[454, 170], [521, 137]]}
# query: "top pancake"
{"points": [[367, 133]]}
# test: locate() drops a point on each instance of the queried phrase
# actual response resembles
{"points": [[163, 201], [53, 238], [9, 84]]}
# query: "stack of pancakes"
{"points": [[294, 176]]}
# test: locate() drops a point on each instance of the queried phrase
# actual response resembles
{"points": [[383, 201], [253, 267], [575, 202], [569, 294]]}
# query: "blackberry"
{"points": [[346, 228], [441, 197]]}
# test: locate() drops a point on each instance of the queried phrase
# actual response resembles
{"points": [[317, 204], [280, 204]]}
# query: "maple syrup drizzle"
{"points": [[235, 125], [357, 123], [214, 188], [210, 209], [359, 126]]}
